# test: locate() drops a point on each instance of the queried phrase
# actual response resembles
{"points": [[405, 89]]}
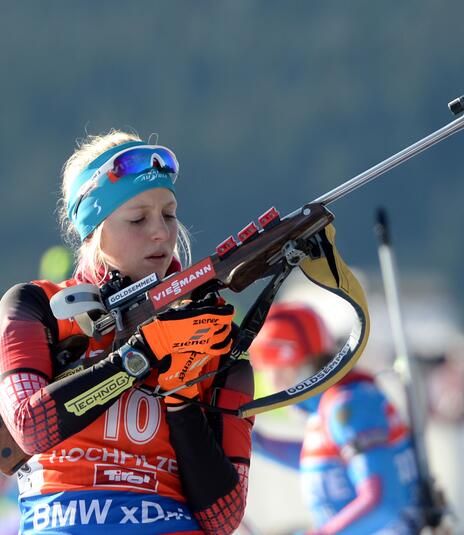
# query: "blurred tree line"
{"points": [[265, 103]]}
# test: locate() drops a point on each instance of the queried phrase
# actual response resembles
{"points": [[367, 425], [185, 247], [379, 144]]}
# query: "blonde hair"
{"points": [[90, 260]]}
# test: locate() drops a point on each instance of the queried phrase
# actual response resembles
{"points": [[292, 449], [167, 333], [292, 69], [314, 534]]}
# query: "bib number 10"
{"points": [[138, 413]]}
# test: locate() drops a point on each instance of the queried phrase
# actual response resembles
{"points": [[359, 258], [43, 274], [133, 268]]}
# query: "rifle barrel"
{"points": [[391, 162]]}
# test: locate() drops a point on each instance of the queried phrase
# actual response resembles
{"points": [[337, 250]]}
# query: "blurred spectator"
{"points": [[445, 388]]}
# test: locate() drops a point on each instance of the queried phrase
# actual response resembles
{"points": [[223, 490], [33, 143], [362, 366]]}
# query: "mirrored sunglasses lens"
{"points": [[138, 160], [170, 163], [131, 162]]}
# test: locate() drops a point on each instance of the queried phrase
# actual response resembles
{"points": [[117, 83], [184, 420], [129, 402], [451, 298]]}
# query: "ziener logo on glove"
{"points": [[195, 339], [214, 321], [186, 367], [189, 365]]}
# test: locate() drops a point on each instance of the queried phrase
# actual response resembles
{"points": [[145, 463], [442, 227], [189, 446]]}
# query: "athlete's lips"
{"points": [[156, 256]]}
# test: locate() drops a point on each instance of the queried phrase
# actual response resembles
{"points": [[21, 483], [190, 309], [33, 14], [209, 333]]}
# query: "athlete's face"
{"points": [[139, 237], [283, 377]]}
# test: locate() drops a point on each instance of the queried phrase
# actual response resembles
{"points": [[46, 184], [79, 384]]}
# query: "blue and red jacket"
{"points": [[357, 463]]}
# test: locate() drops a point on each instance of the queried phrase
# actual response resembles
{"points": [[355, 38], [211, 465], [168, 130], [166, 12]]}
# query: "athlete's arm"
{"points": [[213, 454], [368, 495], [358, 426], [40, 413], [283, 452]]}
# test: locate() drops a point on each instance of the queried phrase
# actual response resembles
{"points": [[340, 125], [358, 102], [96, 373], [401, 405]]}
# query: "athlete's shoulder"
{"points": [[50, 288], [22, 295], [232, 387], [357, 413], [34, 289], [30, 301], [357, 389], [240, 377]]}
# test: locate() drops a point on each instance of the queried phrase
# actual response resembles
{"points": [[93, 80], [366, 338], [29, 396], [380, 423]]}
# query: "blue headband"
{"points": [[95, 196]]}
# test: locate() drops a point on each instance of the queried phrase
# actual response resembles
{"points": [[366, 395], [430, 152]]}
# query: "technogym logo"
{"points": [[100, 394]]}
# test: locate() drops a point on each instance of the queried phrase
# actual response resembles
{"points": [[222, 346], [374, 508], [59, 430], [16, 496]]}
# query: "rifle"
{"points": [[303, 238], [272, 251], [431, 502]]}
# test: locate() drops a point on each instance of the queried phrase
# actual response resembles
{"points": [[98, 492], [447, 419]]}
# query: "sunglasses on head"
{"points": [[138, 159], [132, 161]]}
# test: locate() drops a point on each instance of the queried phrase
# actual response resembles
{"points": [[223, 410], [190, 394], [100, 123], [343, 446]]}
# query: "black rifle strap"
{"points": [[257, 313]]}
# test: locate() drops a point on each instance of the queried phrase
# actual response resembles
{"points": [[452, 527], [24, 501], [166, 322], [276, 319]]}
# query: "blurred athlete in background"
{"points": [[357, 466]]}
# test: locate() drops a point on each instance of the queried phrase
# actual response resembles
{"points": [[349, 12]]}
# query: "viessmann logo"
{"points": [[182, 283]]}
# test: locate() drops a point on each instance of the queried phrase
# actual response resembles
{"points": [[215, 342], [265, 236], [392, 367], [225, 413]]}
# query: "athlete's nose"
{"points": [[159, 230]]}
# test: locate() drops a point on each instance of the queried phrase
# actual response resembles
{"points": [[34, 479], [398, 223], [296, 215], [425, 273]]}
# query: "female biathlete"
{"points": [[107, 457]]}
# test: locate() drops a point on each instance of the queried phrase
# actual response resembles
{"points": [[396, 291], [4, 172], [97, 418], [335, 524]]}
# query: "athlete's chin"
{"points": [[160, 268]]}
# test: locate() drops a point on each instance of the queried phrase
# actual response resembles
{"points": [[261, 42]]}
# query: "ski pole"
{"points": [[406, 368]]}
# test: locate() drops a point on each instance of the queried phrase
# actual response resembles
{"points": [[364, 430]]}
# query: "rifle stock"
{"points": [[12, 456]]}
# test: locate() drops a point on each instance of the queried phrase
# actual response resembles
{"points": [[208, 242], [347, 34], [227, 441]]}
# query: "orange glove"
{"points": [[186, 338]]}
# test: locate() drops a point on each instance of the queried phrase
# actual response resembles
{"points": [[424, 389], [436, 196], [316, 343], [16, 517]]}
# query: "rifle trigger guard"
{"points": [[292, 254]]}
